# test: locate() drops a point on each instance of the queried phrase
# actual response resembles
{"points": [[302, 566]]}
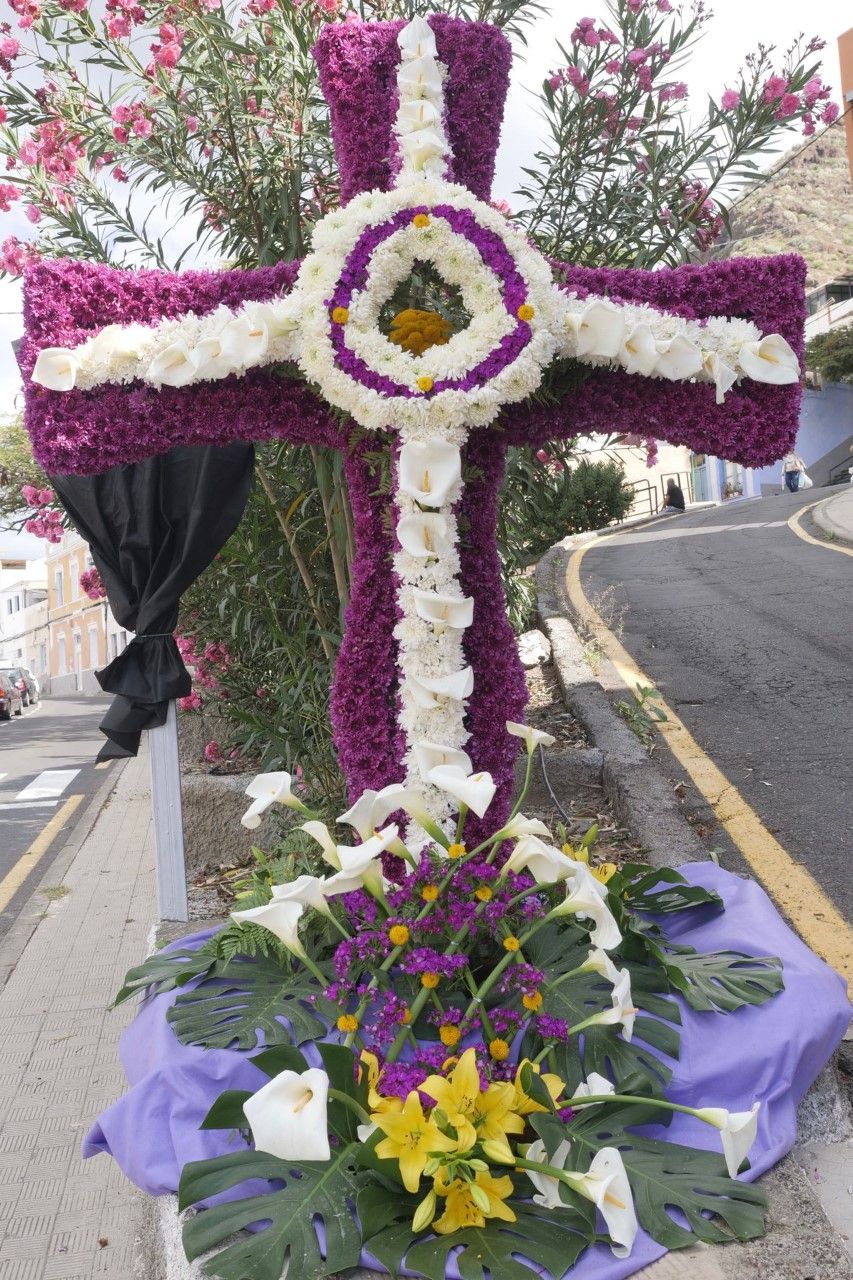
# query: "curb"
{"points": [[15, 940], [821, 515], [635, 787]]}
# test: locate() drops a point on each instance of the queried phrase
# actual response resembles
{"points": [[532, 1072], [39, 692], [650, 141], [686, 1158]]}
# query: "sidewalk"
{"points": [[835, 515], [62, 1218]]}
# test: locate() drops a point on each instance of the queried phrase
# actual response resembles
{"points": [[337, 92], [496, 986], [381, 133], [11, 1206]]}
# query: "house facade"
{"points": [[83, 634]]}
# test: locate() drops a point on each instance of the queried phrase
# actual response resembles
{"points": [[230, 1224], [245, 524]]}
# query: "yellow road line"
{"points": [[795, 527], [814, 916], [11, 883]]}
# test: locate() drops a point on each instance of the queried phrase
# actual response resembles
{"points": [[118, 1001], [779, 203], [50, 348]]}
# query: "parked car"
{"points": [[25, 682], [11, 702]]}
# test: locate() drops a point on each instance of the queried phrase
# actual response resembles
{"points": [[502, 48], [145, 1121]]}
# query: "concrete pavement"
{"points": [[835, 515]]}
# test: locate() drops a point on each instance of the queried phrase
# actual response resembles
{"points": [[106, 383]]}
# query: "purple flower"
{"points": [[552, 1028]]}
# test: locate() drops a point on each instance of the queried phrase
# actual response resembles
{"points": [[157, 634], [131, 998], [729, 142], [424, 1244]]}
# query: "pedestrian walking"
{"points": [[793, 468]]}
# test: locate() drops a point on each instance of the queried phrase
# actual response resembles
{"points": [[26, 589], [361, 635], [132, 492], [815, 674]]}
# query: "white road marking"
{"points": [[50, 783], [30, 804]]}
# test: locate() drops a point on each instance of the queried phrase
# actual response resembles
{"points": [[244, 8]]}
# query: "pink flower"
{"points": [[54, 516], [808, 125], [730, 100], [28, 152], [170, 34], [9, 47], [122, 114], [636, 6], [33, 212], [673, 92], [8, 193], [831, 113], [192, 702], [774, 88], [120, 133], [192, 124], [664, 6], [212, 752], [3, 115], [788, 104], [166, 55], [644, 78], [585, 33], [555, 81], [119, 174], [812, 91], [118, 28], [638, 56], [543, 456], [142, 127], [614, 66], [45, 496], [578, 80], [30, 494]]}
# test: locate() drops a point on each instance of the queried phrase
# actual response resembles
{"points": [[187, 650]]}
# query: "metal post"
{"points": [[168, 819]]}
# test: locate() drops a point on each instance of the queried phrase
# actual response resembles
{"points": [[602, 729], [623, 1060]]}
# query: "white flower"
{"points": [[605, 1183], [533, 738], [429, 472], [721, 374], [600, 329], [173, 367], [596, 1086], [416, 40], [475, 790], [417, 114], [546, 864], [280, 317], [737, 1131], [519, 826], [678, 358], [427, 693], [265, 790], [547, 1188], [119, 342], [585, 902], [429, 755], [444, 610], [56, 368], [372, 808], [599, 961], [425, 535], [307, 890], [421, 78], [770, 360], [325, 840], [623, 1008], [356, 865], [288, 1116], [281, 918], [421, 147], [244, 341], [210, 364], [639, 352]]}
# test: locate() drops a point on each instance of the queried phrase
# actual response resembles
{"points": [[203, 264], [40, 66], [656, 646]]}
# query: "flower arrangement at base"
{"points": [[461, 1043]]}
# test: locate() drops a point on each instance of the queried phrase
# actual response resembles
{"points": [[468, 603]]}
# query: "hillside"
{"points": [[806, 207]]}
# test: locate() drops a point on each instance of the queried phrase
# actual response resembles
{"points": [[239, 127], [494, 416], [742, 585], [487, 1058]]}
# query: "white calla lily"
{"points": [[280, 318], [585, 902], [327, 842], [475, 790], [209, 360], [519, 826], [309, 890], [533, 738], [419, 77], [444, 610], [678, 358], [416, 40], [427, 693], [281, 918], [358, 865], [56, 368], [288, 1116], [721, 374], [119, 342], [429, 755], [547, 1188], [738, 1130], [429, 472], [173, 367], [623, 1009], [267, 789], [639, 353], [599, 961], [422, 147], [595, 1086], [546, 864], [600, 330], [605, 1183], [373, 807], [426, 536], [419, 114], [771, 360], [244, 341]]}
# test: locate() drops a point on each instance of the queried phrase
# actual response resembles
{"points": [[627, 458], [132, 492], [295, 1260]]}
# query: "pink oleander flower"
{"points": [[30, 494], [166, 55], [142, 127], [8, 194], [730, 100], [788, 104], [674, 92], [261, 692], [831, 112], [119, 174], [774, 88], [636, 6], [638, 56], [212, 752], [808, 124], [606, 36], [543, 456], [92, 583], [503, 206], [28, 152], [585, 33], [3, 117], [578, 81], [45, 496], [122, 114], [33, 213], [9, 48], [664, 6], [192, 702], [192, 124], [119, 28], [555, 81], [120, 133], [72, 6], [644, 78], [614, 66]]}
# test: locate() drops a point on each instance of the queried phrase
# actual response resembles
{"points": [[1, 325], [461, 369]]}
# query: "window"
{"points": [[94, 657], [9, 605], [62, 656], [113, 645], [59, 587], [75, 580], [42, 657]]}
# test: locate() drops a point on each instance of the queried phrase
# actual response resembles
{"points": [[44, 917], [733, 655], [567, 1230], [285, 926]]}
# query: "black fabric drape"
{"points": [[152, 528]]}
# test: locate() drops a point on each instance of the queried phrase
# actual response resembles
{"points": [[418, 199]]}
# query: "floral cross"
{"points": [[123, 365]]}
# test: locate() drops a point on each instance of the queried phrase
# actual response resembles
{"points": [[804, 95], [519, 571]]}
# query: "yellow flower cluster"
{"points": [[417, 331], [455, 1141]]}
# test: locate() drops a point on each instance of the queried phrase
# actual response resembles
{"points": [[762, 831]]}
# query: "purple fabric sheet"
{"points": [[772, 1053]]}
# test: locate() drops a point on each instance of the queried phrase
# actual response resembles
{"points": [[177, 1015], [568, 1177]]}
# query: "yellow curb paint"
{"points": [[11, 883], [795, 527], [103, 764], [814, 916]]}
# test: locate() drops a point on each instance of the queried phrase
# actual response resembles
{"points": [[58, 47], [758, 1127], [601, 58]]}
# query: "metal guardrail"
{"points": [[646, 500], [840, 473]]}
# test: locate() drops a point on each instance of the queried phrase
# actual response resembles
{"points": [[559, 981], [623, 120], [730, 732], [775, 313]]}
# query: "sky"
{"points": [[736, 28]]}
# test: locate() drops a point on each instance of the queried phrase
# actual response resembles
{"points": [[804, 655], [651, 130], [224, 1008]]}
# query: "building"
{"points": [[845, 57], [83, 634], [24, 633]]}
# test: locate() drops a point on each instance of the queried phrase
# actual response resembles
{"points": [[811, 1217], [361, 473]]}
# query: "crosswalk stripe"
{"points": [[48, 784], [30, 804]]}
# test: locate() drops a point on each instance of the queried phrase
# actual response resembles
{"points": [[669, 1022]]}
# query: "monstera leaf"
{"points": [[495, 1251], [166, 970], [641, 892], [722, 980], [230, 1009], [301, 1194], [665, 1177]]}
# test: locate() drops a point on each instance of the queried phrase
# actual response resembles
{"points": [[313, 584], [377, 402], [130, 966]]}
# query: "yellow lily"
{"points": [[470, 1204], [494, 1113], [524, 1105], [375, 1100], [410, 1138], [458, 1092]]}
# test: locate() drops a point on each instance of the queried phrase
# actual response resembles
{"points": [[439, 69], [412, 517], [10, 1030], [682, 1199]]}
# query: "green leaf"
{"points": [[165, 971], [231, 1009], [227, 1111], [640, 895], [665, 1176], [723, 980], [311, 1189], [281, 1057], [497, 1250]]}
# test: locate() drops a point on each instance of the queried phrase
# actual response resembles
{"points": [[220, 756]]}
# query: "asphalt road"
{"points": [[747, 631], [46, 756]]}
